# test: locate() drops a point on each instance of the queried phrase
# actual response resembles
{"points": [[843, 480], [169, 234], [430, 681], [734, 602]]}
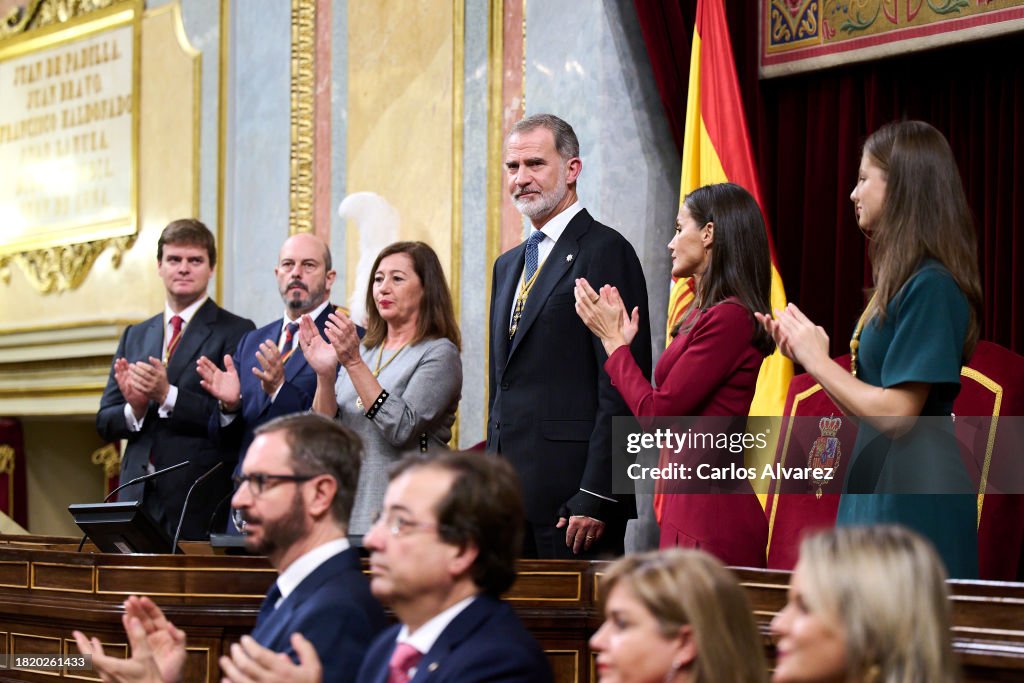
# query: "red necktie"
{"points": [[289, 341], [176, 323], [404, 658]]}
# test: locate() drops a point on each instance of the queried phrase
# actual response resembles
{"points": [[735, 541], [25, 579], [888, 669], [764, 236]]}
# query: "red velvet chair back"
{"points": [[992, 386], [795, 507]]}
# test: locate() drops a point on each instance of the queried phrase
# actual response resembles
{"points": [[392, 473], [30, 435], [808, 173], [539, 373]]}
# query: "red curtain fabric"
{"points": [[13, 494], [807, 131]]}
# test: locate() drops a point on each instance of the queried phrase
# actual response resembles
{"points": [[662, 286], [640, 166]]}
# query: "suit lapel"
{"points": [[461, 627], [196, 332], [508, 281], [271, 630], [152, 339], [557, 264]]}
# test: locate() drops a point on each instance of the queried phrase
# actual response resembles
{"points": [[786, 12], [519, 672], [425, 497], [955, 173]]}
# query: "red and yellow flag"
{"points": [[716, 149]]}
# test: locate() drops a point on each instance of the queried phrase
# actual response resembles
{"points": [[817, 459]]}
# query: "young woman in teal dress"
{"points": [[919, 327]]}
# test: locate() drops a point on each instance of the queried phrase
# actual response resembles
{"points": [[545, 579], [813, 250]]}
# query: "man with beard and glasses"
{"points": [[295, 496], [269, 376], [552, 403]]}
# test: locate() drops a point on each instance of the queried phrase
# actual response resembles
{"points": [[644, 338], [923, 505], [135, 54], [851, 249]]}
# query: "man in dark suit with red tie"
{"points": [[269, 376], [153, 399], [551, 401]]}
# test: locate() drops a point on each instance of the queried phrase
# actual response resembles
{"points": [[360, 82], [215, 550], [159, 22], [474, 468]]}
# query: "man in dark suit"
{"points": [[551, 401], [153, 398], [441, 554], [296, 490], [269, 376]]}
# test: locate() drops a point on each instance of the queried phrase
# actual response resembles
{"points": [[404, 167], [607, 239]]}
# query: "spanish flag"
{"points": [[717, 149]]}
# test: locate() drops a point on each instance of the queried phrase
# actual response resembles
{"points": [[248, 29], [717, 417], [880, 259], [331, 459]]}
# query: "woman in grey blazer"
{"points": [[398, 388]]}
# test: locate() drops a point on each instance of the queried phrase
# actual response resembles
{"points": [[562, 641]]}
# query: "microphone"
{"points": [[136, 480], [184, 507], [146, 477]]}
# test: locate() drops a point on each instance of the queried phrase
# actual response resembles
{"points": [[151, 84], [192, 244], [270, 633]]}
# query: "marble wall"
{"points": [[256, 204], [475, 266], [587, 64]]}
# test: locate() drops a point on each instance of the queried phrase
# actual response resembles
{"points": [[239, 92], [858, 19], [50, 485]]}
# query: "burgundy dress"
{"points": [[709, 371]]}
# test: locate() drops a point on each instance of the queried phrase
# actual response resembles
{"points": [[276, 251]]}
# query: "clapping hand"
{"points": [[797, 337], [271, 370], [341, 331], [151, 379], [605, 315], [158, 647], [320, 355], [223, 385], [135, 397], [250, 662]]}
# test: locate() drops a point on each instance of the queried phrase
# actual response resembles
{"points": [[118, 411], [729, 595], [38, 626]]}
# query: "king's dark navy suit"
{"points": [[551, 401]]}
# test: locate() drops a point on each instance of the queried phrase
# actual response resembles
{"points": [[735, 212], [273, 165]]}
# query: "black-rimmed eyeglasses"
{"points": [[258, 480]]}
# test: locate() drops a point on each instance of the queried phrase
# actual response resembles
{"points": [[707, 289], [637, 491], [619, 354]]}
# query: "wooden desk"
{"points": [[47, 590]]}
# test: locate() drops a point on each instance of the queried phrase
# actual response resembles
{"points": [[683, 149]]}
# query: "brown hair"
{"points": [[436, 314], [320, 445], [484, 507], [187, 232], [885, 588], [741, 263], [924, 215], [689, 587]]}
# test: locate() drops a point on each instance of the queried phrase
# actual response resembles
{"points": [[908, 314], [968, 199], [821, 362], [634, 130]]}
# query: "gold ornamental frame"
{"points": [[62, 262]]}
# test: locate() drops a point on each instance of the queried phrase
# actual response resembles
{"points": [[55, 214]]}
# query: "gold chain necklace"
{"points": [[380, 368], [855, 339]]}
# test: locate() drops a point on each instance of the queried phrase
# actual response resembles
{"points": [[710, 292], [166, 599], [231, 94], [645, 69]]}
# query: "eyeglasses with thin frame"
{"points": [[399, 525], [258, 480]]}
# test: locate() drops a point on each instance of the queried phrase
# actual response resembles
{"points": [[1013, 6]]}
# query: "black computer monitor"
{"points": [[121, 527]]}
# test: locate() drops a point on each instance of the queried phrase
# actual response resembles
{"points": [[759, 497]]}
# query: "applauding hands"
{"points": [[605, 315]]}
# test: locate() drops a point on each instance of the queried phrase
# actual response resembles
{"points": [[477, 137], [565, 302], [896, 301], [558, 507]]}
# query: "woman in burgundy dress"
{"points": [[711, 366]]}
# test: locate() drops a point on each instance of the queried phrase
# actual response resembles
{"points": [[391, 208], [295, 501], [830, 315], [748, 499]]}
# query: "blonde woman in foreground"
{"points": [[866, 605], [676, 615]]}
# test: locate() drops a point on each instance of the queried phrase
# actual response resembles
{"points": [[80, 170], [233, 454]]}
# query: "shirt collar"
{"points": [[305, 565], [187, 314], [427, 634], [313, 315], [556, 226]]}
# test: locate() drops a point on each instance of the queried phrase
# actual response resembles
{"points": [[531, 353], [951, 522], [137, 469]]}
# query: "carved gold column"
{"points": [[109, 458], [7, 467], [303, 84]]}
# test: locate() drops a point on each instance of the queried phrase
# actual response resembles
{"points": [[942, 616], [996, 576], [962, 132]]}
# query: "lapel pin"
{"points": [[568, 258], [433, 667]]}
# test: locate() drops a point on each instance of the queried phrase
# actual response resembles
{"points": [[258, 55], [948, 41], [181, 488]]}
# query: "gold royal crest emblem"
{"points": [[825, 452]]}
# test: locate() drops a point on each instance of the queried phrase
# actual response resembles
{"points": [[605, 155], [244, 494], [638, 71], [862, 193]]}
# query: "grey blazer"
{"points": [[424, 383]]}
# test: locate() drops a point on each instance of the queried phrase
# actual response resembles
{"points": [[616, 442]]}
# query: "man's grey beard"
{"points": [[538, 209]]}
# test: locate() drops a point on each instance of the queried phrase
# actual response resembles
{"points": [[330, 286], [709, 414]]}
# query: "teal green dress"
{"points": [[917, 480]]}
